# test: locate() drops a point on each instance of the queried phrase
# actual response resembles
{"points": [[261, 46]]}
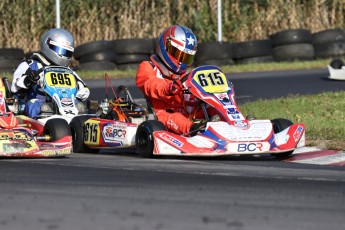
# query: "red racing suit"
{"points": [[175, 112]]}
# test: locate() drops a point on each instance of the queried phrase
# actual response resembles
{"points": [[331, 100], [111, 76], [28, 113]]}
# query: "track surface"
{"points": [[119, 190]]}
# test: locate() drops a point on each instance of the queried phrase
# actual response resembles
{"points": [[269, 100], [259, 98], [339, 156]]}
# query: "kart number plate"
{"points": [[56, 77], [211, 81]]}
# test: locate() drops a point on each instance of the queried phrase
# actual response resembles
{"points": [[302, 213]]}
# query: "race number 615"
{"points": [[214, 78]]}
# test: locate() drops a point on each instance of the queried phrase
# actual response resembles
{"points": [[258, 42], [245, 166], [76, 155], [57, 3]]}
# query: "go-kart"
{"points": [[230, 134], [113, 125], [21, 136], [336, 70]]}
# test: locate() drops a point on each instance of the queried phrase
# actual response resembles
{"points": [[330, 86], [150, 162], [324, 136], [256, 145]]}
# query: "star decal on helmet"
{"points": [[191, 40]]}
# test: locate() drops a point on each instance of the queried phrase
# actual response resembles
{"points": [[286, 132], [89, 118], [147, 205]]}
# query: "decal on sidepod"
{"points": [[112, 132], [260, 130]]}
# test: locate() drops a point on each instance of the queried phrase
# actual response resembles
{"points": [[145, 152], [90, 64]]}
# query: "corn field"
{"points": [[24, 21]]}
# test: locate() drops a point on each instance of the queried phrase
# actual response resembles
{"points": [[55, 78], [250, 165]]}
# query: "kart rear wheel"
{"points": [[77, 131], [56, 128], [279, 124], [144, 137]]}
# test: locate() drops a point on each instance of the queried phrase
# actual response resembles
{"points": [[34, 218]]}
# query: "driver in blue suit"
{"points": [[57, 47]]}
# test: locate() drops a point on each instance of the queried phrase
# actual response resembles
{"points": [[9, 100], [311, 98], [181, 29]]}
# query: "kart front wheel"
{"points": [[144, 137], [56, 128], [279, 124], [77, 131]]}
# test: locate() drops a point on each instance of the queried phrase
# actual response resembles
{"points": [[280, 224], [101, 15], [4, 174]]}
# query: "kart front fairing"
{"points": [[60, 84], [234, 134]]}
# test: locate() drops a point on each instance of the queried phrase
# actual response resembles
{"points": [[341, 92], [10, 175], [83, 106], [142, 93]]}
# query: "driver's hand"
{"points": [[173, 88], [32, 77], [83, 94]]}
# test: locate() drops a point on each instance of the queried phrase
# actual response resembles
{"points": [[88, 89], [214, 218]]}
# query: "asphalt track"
{"points": [[119, 190]]}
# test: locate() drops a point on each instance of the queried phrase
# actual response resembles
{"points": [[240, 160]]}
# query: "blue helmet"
{"points": [[177, 47]]}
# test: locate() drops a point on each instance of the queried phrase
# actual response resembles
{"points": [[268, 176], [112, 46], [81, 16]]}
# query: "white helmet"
{"points": [[57, 45]]}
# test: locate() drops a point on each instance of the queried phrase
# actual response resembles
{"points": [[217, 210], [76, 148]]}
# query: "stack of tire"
{"points": [[131, 52], [255, 51], [329, 43], [96, 55], [292, 44], [214, 53], [10, 59]]}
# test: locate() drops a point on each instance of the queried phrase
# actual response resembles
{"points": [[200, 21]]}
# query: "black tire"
{"points": [[279, 124], [215, 62], [293, 36], [99, 56], [329, 35], [133, 46], [56, 128], [92, 47], [98, 65], [131, 58], [7, 70], [330, 49], [11, 54], [9, 64], [213, 51], [336, 64], [302, 51], [144, 137], [130, 66], [262, 59], [77, 131], [255, 48]]}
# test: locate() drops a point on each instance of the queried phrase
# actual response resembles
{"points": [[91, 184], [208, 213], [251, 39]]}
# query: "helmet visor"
{"points": [[180, 56], [61, 51]]}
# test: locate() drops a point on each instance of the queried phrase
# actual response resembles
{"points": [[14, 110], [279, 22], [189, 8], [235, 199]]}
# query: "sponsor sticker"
{"points": [[240, 124], [171, 139], [298, 133], [112, 132], [248, 147]]}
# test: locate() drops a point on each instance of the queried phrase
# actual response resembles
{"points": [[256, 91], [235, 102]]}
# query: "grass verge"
{"points": [[323, 114]]}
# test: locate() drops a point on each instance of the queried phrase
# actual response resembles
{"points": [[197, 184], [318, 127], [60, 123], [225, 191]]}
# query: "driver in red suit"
{"points": [[159, 80]]}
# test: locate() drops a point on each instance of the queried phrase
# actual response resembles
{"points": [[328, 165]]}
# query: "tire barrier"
{"points": [[124, 54], [214, 53], [256, 51], [293, 44], [329, 43], [10, 59], [131, 52], [96, 55], [119, 54]]}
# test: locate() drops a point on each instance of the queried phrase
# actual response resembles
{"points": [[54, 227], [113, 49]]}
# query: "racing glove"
{"points": [[197, 127], [83, 93], [173, 88], [31, 77]]}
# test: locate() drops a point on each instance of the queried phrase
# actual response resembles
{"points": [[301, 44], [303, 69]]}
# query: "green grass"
{"points": [[323, 114]]}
